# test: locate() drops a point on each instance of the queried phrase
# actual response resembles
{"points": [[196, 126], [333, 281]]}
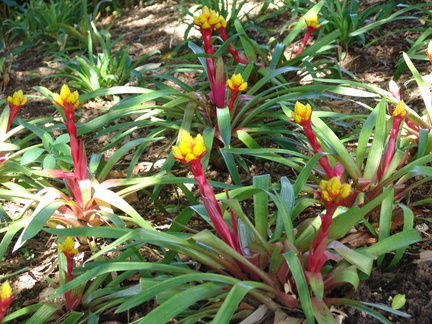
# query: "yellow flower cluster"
{"points": [[17, 99], [5, 291], [333, 191], [66, 97], [301, 112], [400, 111], [189, 148], [209, 19], [312, 22], [237, 83], [68, 246]]}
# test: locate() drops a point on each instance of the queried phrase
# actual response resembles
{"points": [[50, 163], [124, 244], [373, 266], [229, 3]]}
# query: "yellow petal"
{"points": [[301, 112], [68, 246], [5, 291], [400, 109]]}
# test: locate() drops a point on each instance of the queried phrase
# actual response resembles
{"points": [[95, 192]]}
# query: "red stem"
{"points": [[391, 145], [234, 94], [323, 161], [234, 53], [212, 206], [317, 253], [306, 37]]}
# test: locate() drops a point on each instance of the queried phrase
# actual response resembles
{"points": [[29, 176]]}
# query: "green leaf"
{"points": [[231, 302], [385, 219], [49, 162], [322, 312], [43, 314], [38, 221], [362, 261], [31, 155], [301, 283], [224, 123], [394, 242], [376, 151], [261, 204], [180, 302], [115, 200], [398, 301]]}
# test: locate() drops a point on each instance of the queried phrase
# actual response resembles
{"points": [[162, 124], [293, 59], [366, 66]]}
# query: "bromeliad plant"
{"points": [[259, 263], [375, 164], [86, 201]]}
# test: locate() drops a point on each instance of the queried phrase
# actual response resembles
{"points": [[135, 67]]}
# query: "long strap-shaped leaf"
{"points": [[302, 287], [180, 302]]}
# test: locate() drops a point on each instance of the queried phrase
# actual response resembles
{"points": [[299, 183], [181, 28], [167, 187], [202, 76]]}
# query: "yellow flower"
{"points": [[66, 97], [237, 83], [67, 247], [209, 19], [312, 22], [5, 291], [333, 191], [17, 99], [189, 148], [301, 112], [400, 111]]}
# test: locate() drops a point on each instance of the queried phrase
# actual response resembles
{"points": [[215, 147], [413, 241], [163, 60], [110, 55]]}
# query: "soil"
{"points": [[158, 27]]}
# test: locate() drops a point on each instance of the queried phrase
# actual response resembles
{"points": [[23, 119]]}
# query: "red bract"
{"points": [[16, 102], [6, 298], [190, 151], [399, 115], [67, 248], [69, 102], [312, 25], [302, 115], [333, 194]]}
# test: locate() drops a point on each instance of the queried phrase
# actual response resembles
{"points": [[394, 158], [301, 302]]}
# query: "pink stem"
{"points": [[234, 53], [212, 206], [324, 162], [317, 254], [306, 37], [391, 146], [234, 94]]}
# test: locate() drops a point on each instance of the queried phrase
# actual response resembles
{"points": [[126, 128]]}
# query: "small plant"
{"points": [[110, 67], [86, 202]]}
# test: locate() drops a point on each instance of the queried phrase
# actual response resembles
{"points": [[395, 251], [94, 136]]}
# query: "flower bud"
{"points": [[189, 148], [333, 191], [301, 112], [236, 83]]}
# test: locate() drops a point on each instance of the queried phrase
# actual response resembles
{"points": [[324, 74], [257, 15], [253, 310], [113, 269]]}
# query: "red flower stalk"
{"points": [[67, 248], [334, 194], [238, 55], [6, 298], [69, 102], [235, 85], [190, 151], [16, 102], [399, 114], [207, 21], [311, 26], [302, 115]]}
